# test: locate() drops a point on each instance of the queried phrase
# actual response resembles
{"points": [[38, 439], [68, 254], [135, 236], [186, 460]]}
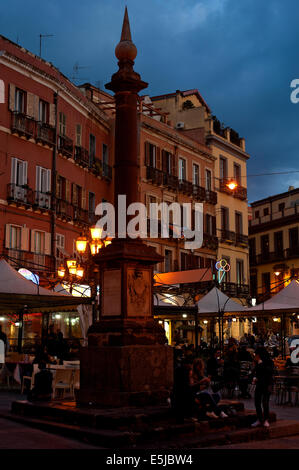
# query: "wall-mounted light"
{"points": [[234, 319], [277, 273], [205, 322], [184, 315], [253, 302]]}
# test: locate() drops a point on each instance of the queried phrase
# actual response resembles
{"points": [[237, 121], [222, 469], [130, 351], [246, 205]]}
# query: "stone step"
{"points": [[131, 417]]}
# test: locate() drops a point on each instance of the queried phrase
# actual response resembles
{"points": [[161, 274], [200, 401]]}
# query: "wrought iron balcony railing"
{"points": [[199, 193], [45, 134], [42, 200], [19, 194], [211, 197], [65, 146], [170, 181], [186, 187], [64, 210], [23, 125], [81, 156], [228, 236], [154, 175]]}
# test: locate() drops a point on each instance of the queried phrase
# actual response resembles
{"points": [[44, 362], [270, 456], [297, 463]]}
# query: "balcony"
{"points": [[241, 240], [210, 241], [42, 200], [154, 175], [65, 146], [25, 259], [186, 187], [45, 134], [274, 256], [101, 169], [81, 156], [170, 181], [211, 197], [23, 125], [239, 192], [227, 236], [199, 193], [20, 195], [81, 216], [64, 210]]}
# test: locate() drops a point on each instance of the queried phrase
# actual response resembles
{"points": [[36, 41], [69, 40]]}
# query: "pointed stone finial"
{"points": [[126, 49], [126, 32]]}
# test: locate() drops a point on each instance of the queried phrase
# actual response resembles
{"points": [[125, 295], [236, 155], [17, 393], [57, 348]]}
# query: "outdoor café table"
{"points": [[288, 381]]}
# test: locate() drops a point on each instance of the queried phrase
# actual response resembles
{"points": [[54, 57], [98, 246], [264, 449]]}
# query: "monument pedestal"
{"points": [[134, 375]]}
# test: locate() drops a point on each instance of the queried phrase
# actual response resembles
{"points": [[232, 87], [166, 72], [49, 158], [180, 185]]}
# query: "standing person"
{"points": [[263, 379], [182, 396]]}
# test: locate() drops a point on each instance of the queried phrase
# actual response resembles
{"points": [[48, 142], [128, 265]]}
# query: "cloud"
{"points": [[185, 18]]}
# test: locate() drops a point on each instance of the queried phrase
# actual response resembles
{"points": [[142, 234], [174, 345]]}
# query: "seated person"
{"points": [[42, 389], [205, 398]]}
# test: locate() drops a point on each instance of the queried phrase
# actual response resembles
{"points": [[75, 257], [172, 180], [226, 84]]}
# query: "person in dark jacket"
{"points": [[263, 379], [182, 395], [42, 389]]}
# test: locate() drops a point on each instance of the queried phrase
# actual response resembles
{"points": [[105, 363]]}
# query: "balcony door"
{"points": [[278, 243], [18, 179], [43, 187], [196, 178], [293, 237], [265, 247], [182, 169]]}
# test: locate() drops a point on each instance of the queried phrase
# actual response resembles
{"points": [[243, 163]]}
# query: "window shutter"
{"points": [[38, 178], [57, 186], [83, 198], [32, 241], [12, 97], [25, 239], [68, 190], [47, 243], [213, 225], [158, 158], [173, 165], [25, 167], [146, 154], [13, 170], [48, 180], [30, 105], [52, 116], [7, 236], [164, 161], [36, 107]]}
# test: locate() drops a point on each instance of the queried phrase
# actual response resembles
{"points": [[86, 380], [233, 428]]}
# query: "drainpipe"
{"points": [[53, 185]]}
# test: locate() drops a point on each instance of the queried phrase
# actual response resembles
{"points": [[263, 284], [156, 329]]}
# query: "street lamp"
{"points": [[232, 185]]}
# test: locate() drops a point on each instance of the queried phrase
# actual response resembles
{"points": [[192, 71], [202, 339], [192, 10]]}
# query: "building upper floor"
{"points": [[274, 228]]}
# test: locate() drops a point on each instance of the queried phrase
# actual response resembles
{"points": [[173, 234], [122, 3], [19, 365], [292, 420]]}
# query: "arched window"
{"points": [[2, 92]]}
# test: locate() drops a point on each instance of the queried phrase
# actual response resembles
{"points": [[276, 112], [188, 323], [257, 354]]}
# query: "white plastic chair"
{"points": [[62, 381], [30, 378]]}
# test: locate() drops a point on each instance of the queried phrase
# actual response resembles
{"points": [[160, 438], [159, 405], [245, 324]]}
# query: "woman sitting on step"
{"points": [[204, 396]]}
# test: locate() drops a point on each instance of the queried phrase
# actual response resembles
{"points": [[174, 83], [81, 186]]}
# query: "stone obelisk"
{"points": [[127, 361]]}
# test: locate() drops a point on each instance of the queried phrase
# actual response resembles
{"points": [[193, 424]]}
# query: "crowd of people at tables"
{"points": [[200, 379]]}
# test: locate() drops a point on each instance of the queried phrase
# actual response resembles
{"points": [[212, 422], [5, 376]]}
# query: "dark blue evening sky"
{"points": [[240, 54]]}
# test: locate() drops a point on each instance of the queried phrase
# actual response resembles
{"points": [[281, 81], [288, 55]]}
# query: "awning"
{"points": [[285, 301], [183, 277], [215, 302], [16, 292]]}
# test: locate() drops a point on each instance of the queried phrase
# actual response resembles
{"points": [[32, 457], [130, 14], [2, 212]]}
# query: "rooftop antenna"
{"points": [[41, 36], [76, 69]]}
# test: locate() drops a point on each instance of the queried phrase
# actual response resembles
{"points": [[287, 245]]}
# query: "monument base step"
{"points": [[154, 427]]}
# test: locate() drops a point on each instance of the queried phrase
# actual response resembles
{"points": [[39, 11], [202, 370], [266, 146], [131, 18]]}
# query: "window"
{"points": [[237, 173], [208, 180], [78, 135], [92, 148], [223, 168], [266, 211], [43, 179], [252, 248], [278, 242], [20, 101], [184, 261], [105, 154], [152, 155], [39, 242], [256, 214], [15, 237], [91, 205], [168, 261], [182, 169], [209, 224], [76, 195], [60, 244], [195, 173], [168, 162], [293, 237], [18, 172], [266, 285], [224, 218], [61, 188], [62, 124], [239, 225], [43, 112], [281, 207], [240, 272], [226, 277], [265, 246]]}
